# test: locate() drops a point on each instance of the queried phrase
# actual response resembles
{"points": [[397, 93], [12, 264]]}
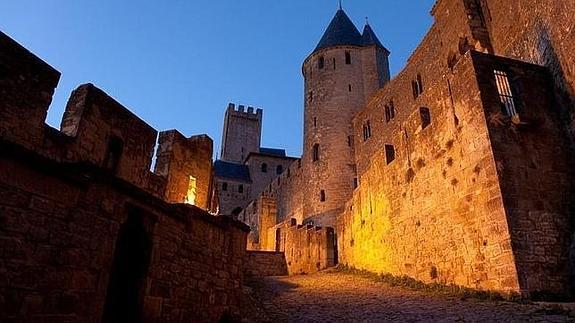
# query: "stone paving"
{"points": [[332, 296]]}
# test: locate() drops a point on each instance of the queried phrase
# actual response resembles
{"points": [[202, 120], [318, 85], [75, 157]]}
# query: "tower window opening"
{"points": [[387, 114], [419, 84], [224, 186], [314, 121], [192, 191], [264, 168], [315, 152], [348, 58], [366, 130], [392, 109], [322, 196], [389, 153], [115, 149], [425, 117], [310, 96], [333, 63], [349, 87], [321, 62], [508, 105], [240, 188], [349, 141], [279, 169], [355, 183]]}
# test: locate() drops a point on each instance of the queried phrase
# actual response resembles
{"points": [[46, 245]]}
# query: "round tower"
{"points": [[343, 72]]}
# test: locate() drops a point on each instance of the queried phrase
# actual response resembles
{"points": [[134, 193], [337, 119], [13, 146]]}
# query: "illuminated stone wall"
{"points": [[80, 209], [265, 263], [180, 158]]}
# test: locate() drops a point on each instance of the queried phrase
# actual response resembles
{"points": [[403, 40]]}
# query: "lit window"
{"points": [[192, 191]]}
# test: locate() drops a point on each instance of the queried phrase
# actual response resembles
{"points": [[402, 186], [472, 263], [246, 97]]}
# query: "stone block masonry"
{"points": [[87, 231], [265, 263]]}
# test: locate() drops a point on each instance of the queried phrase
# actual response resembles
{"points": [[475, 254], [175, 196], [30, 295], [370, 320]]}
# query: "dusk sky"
{"points": [[177, 64]]}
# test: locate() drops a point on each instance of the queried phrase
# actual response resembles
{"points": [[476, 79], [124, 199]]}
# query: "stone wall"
{"points": [[179, 160], [265, 263], [540, 32], [307, 248], [86, 235], [275, 166], [242, 133]]}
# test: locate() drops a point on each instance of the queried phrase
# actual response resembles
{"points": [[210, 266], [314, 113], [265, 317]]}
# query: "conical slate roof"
{"points": [[369, 37], [341, 31]]}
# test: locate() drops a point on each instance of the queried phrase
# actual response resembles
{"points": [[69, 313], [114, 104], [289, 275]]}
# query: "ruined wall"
{"points": [[181, 158], [265, 263], [534, 164], [260, 215], [540, 32], [83, 219]]}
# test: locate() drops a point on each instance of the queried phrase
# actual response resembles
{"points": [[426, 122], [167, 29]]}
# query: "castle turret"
{"points": [[343, 72]]}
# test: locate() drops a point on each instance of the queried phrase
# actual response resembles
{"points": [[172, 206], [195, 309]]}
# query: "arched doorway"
{"points": [[129, 270]]}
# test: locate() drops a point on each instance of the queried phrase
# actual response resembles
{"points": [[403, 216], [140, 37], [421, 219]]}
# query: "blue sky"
{"points": [[178, 63]]}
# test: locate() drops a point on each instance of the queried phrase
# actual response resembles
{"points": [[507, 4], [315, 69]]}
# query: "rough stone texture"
{"points": [[540, 32], [180, 158], [261, 216], [333, 94], [233, 198], [261, 180], [338, 297], [265, 263], [67, 216], [242, 133], [442, 211]]}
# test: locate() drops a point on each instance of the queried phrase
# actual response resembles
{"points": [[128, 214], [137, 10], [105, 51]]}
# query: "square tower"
{"points": [[242, 133]]}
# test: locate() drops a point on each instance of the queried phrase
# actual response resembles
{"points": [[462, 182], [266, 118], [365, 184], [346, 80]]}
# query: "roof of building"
{"points": [[232, 171], [341, 31], [273, 151], [369, 37]]}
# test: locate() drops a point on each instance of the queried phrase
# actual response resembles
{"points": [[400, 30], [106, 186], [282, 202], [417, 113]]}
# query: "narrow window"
{"points": [[310, 96], [279, 169], [322, 196], [414, 89], [224, 186], [419, 84], [425, 117], [321, 62], [349, 88], [264, 168], [192, 191], [348, 58], [240, 188], [506, 98], [314, 121], [392, 109], [389, 153], [288, 172], [334, 63], [115, 149], [387, 114], [349, 141], [366, 130], [315, 152], [355, 184]]}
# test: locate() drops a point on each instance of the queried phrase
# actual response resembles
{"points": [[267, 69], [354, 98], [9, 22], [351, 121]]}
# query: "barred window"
{"points": [[505, 93]]}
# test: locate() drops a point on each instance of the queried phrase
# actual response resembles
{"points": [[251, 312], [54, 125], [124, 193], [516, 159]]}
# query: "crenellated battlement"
{"points": [[241, 110], [95, 129]]}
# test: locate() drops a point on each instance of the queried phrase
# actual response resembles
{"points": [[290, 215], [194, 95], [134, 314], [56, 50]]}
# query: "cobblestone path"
{"points": [[333, 296]]}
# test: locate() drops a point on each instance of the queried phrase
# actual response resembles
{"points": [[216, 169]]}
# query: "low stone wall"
{"points": [[265, 263], [308, 249]]}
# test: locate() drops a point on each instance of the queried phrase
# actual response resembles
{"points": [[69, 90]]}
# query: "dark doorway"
{"points": [[236, 212], [278, 240], [129, 269]]}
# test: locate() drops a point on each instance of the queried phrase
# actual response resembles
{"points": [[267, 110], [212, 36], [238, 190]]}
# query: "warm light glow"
{"points": [[192, 192]]}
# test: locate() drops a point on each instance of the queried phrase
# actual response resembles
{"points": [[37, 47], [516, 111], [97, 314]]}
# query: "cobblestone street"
{"points": [[333, 296]]}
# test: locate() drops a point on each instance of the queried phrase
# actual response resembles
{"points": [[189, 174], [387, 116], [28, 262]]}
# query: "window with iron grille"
{"points": [[506, 98]]}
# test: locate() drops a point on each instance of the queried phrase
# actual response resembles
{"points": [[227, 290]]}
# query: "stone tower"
{"points": [[242, 133], [343, 72]]}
